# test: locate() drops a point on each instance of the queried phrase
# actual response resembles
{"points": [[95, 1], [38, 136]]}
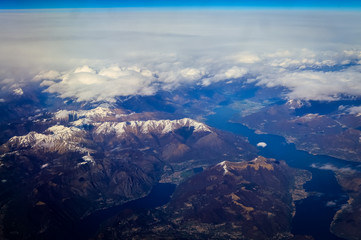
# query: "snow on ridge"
{"points": [[224, 165], [81, 122], [63, 114], [308, 117], [97, 112], [311, 115], [149, 126], [295, 103], [87, 159], [62, 130], [92, 113], [44, 165], [59, 139]]}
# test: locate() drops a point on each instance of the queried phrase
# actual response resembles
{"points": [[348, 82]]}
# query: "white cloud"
{"points": [[86, 84], [314, 85], [247, 57], [18, 91], [97, 55], [234, 72], [355, 110], [262, 144], [231, 73], [84, 69], [192, 74], [50, 75], [328, 166]]}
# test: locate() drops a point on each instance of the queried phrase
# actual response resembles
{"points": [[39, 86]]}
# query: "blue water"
{"points": [[325, 107], [313, 216], [88, 227]]}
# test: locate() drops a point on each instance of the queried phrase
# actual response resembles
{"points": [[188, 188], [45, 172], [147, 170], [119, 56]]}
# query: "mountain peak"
{"points": [[58, 138], [256, 164], [98, 112], [150, 126]]}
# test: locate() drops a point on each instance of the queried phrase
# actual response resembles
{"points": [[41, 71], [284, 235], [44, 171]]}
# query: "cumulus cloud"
{"points": [[192, 73], [18, 91], [87, 84], [262, 144], [228, 74], [97, 55], [314, 85], [355, 110], [51, 75]]}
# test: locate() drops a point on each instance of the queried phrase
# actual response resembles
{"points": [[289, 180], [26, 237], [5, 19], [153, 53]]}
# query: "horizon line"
{"points": [[186, 4], [189, 8]]}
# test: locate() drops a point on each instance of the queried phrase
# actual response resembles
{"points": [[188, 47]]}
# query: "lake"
{"points": [[315, 213], [89, 226]]}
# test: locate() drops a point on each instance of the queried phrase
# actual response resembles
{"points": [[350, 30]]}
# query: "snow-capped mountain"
{"points": [[103, 157], [150, 126], [98, 112], [57, 138], [60, 138]]}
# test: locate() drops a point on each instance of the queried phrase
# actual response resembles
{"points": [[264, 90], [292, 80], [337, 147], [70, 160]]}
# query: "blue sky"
{"points": [[36, 4]]}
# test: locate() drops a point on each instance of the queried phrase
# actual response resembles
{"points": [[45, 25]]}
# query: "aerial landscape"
{"points": [[180, 120]]}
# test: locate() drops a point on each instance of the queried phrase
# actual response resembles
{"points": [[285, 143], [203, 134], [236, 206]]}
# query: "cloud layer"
{"points": [[99, 54], [328, 166], [84, 83]]}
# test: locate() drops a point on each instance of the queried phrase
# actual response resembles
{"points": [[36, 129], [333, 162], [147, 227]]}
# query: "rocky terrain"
{"points": [[155, 121], [230, 200], [346, 223], [323, 128], [61, 162], [335, 133], [91, 159]]}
